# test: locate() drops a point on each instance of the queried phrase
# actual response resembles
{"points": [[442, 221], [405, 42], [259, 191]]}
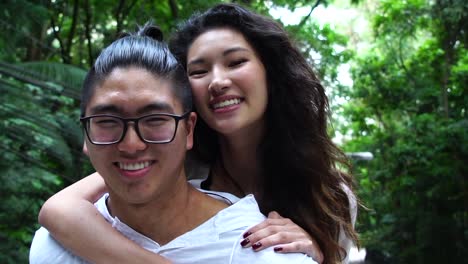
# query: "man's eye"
{"points": [[156, 120], [106, 122]]}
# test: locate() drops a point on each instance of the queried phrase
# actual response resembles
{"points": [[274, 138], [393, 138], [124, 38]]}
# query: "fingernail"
{"points": [[246, 234], [256, 245], [245, 242], [278, 249]]}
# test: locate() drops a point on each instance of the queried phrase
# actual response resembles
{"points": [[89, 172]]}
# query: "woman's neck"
{"points": [[240, 160]]}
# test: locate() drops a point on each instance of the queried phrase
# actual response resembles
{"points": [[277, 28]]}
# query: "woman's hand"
{"points": [[284, 234]]}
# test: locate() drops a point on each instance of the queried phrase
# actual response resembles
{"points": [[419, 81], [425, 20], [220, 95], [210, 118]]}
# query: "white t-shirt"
{"points": [[197, 172], [215, 241]]}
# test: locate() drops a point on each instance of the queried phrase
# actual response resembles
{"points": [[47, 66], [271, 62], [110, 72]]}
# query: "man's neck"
{"points": [[172, 213]]}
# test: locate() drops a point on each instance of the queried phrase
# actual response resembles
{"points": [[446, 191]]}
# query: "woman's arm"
{"points": [[72, 219], [284, 234]]}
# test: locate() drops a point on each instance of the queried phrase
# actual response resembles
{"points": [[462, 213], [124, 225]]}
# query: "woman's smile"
{"points": [[228, 81]]}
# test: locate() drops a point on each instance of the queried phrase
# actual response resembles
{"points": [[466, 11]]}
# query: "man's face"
{"points": [[134, 171]]}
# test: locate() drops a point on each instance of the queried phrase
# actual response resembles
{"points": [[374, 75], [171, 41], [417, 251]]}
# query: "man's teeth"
{"points": [[134, 166], [226, 103]]}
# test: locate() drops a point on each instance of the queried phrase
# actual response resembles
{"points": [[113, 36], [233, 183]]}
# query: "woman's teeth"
{"points": [[226, 103]]}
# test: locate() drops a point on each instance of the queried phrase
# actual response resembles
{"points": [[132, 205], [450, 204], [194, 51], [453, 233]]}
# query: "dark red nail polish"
{"points": [[256, 245], [245, 242], [246, 234], [278, 249]]}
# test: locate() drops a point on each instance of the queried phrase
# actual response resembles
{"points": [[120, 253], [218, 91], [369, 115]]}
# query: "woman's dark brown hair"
{"points": [[300, 179]]}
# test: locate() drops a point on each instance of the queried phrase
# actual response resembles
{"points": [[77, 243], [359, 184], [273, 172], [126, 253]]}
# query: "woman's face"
{"points": [[228, 81]]}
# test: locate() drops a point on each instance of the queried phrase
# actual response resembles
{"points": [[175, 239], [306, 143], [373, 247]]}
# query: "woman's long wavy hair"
{"points": [[300, 179]]}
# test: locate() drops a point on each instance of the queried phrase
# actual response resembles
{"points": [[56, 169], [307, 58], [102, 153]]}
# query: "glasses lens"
{"points": [[105, 129], [157, 128]]}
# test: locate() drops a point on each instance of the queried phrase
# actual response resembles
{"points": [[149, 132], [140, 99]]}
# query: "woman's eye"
{"points": [[238, 62], [196, 72]]}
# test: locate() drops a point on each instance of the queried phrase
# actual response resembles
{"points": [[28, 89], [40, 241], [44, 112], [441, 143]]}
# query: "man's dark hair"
{"points": [[144, 49]]}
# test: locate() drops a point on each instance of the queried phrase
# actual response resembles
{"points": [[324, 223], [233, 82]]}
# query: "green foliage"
{"points": [[408, 107], [41, 145], [23, 189], [45, 48], [21, 23]]}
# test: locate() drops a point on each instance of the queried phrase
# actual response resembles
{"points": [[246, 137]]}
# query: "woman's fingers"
{"points": [[308, 247], [274, 219], [274, 215], [283, 235]]}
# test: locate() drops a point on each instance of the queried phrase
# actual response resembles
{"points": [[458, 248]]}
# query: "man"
{"points": [[136, 115]]}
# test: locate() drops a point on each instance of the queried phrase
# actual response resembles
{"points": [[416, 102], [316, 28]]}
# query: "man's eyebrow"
{"points": [[113, 109], [156, 106], [105, 108]]}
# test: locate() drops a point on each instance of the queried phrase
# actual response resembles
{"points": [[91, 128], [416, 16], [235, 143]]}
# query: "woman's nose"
{"points": [[220, 82]]}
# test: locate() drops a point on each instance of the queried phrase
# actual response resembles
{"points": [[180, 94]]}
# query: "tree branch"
{"points": [[304, 19], [128, 9], [57, 36], [174, 10], [400, 61], [88, 15], [71, 34], [121, 13], [118, 16]]}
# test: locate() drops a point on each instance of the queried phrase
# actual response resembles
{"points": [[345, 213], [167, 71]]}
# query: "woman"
{"points": [[263, 130]]}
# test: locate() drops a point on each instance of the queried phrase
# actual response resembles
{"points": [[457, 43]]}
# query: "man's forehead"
{"points": [[137, 100], [134, 90], [125, 109]]}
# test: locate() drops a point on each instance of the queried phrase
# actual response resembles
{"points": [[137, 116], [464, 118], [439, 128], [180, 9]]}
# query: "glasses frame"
{"points": [[85, 121]]}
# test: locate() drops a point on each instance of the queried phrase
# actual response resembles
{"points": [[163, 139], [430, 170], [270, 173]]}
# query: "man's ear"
{"points": [[85, 148], [190, 127]]}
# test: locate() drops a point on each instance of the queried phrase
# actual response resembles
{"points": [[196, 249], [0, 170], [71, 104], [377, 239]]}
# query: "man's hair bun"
{"points": [[150, 30]]}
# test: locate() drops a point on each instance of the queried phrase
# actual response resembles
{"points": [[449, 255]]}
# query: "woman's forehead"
{"points": [[219, 41]]}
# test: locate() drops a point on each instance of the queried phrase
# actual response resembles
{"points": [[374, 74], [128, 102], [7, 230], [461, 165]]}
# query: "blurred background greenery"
{"points": [[396, 73]]}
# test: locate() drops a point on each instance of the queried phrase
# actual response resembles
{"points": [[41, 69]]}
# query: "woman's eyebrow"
{"points": [[196, 61], [234, 49], [225, 53]]}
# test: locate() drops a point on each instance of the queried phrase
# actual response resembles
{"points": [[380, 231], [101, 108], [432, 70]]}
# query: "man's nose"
{"points": [[131, 143]]}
